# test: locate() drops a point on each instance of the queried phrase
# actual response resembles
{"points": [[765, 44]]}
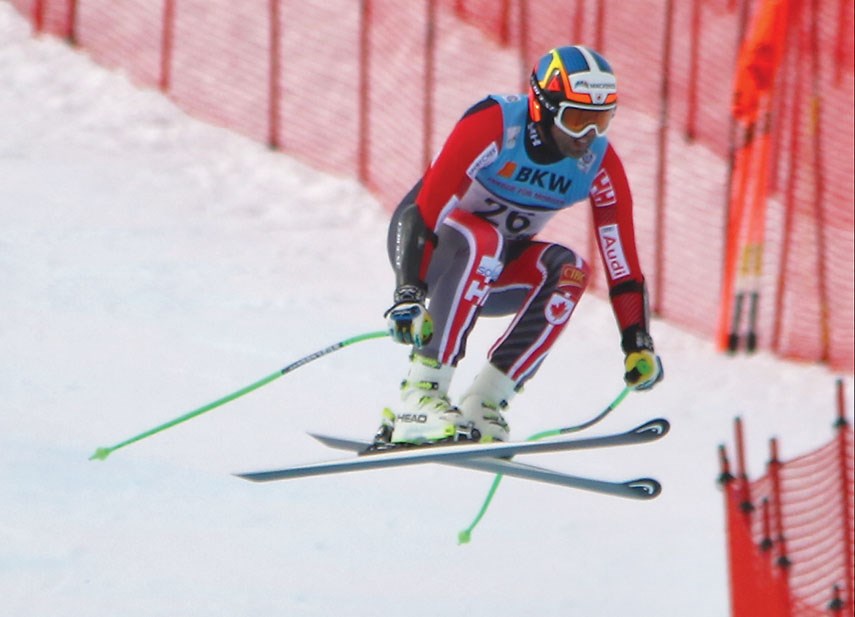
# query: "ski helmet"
{"points": [[575, 88]]}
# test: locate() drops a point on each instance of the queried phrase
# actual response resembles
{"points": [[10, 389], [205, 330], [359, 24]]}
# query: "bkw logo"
{"points": [[537, 177]]}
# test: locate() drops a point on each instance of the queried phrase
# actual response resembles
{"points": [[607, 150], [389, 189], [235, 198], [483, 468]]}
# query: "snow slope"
{"points": [[150, 264]]}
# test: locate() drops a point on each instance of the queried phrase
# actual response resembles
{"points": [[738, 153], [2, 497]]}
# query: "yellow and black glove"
{"points": [[643, 368], [408, 320]]}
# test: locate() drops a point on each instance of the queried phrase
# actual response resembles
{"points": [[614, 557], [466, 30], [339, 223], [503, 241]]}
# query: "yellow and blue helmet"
{"points": [[575, 88]]}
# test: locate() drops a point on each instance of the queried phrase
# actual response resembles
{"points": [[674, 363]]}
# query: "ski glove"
{"points": [[408, 320], [643, 367]]}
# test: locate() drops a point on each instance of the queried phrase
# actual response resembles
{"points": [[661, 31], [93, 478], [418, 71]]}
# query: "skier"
{"points": [[463, 244]]}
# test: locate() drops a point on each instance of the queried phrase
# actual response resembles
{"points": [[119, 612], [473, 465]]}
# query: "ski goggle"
{"points": [[577, 122]]}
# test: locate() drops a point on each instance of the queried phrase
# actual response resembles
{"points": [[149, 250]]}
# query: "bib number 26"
{"points": [[505, 217]]}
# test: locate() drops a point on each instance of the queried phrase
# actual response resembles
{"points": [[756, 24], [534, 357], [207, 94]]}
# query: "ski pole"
{"points": [[102, 453], [463, 537]]}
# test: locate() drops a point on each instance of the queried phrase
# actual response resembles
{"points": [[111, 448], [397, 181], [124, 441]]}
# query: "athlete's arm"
{"points": [[412, 231], [611, 203]]}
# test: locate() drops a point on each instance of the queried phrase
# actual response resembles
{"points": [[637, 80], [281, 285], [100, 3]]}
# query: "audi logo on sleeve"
{"points": [[613, 251]]}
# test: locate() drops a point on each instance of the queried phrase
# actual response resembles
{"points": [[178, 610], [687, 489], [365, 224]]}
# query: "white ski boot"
{"points": [[485, 400], [425, 415]]}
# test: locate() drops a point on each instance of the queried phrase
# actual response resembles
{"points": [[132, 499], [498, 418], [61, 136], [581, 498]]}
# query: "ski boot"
{"points": [[483, 404], [425, 415]]}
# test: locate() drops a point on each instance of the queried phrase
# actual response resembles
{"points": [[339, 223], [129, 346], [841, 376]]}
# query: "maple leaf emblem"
{"points": [[558, 309]]}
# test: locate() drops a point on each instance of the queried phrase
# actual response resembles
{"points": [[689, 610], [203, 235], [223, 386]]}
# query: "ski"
{"points": [[734, 338], [465, 453], [641, 488]]}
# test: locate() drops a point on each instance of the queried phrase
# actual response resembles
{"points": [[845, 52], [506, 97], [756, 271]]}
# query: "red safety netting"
{"points": [[809, 522], [791, 532], [369, 89], [757, 587]]}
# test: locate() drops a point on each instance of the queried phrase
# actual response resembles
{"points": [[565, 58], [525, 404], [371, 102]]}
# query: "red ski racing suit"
{"points": [[466, 236]]}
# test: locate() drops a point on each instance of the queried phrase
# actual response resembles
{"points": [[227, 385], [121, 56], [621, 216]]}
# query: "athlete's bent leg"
{"points": [[555, 279]]}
